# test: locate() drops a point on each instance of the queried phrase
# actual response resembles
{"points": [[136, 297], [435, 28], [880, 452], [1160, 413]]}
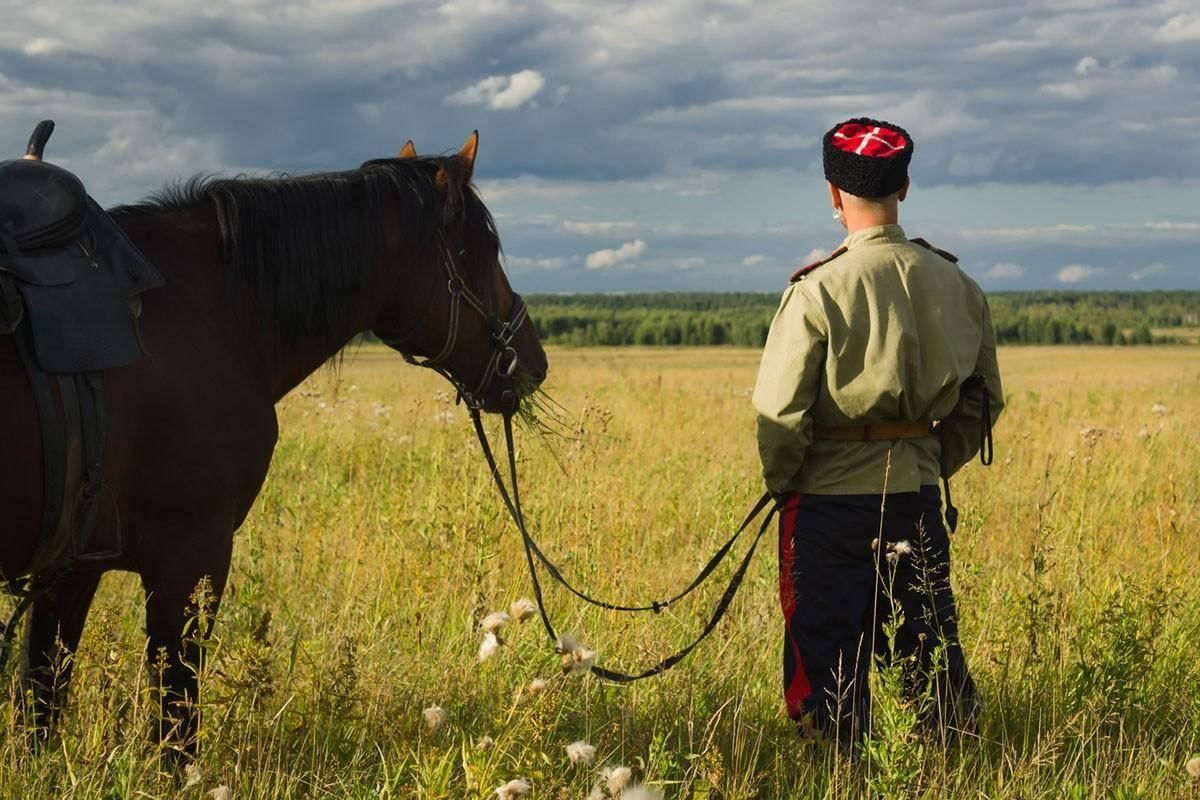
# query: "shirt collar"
{"points": [[880, 234]]}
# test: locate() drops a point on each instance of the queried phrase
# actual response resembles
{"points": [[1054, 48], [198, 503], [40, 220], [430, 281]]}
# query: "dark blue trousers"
{"points": [[844, 570]]}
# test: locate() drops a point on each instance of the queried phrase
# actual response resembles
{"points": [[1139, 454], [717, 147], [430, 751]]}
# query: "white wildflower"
{"points": [[902, 548], [566, 643], [435, 716], [617, 778], [893, 559], [578, 661], [1159, 410], [597, 793], [641, 792], [191, 774], [581, 752], [489, 647], [522, 609], [445, 418], [538, 685], [1144, 433], [1070, 454], [486, 743], [221, 793], [512, 790], [495, 621], [1193, 767]]}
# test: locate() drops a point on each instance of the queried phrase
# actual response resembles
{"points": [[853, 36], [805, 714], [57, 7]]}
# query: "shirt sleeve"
{"points": [[961, 429], [789, 378]]}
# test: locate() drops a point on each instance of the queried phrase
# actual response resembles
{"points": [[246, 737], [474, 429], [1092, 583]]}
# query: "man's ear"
{"points": [[408, 151], [903, 193], [835, 195]]}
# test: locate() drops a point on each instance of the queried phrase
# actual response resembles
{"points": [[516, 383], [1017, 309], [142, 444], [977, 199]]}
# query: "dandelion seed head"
{"points": [[581, 752], [1159, 410], [522, 609], [435, 717], [495, 621], [512, 790], [617, 778], [902, 548], [566, 643], [893, 559], [597, 793], [538, 685], [1143, 434], [578, 661], [875, 544], [1193, 767], [486, 743], [191, 774], [489, 647], [641, 792]]}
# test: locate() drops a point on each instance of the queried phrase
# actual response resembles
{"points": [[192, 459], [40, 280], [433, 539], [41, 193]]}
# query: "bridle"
{"points": [[501, 334], [502, 362]]}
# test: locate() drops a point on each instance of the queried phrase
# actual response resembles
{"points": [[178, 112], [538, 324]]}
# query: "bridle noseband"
{"points": [[501, 334]]}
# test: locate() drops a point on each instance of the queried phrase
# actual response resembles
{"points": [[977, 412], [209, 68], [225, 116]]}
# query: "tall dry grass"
{"points": [[378, 543]]}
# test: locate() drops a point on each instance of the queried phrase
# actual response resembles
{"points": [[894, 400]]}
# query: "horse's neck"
{"points": [[188, 250]]}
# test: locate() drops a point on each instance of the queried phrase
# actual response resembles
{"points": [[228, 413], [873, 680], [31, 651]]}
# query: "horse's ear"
{"points": [[467, 154], [408, 151]]}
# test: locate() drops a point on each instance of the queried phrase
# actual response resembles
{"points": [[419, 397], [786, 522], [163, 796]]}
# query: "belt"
{"points": [[874, 432]]}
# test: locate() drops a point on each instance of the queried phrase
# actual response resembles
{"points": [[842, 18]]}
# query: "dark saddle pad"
{"points": [[77, 272]]}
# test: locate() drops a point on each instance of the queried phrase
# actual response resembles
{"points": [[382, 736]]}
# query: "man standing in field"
{"points": [[877, 376]]}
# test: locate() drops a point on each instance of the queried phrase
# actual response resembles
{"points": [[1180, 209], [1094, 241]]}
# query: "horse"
{"points": [[267, 279]]}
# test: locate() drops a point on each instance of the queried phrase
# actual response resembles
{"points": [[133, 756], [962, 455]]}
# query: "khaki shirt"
{"points": [[885, 332]]}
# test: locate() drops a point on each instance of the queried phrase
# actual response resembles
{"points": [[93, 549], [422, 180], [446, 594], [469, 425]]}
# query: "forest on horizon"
{"points": [[742, 318]]}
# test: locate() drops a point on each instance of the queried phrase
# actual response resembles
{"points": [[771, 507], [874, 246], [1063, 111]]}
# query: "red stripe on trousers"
{"points": [[798, 688]]}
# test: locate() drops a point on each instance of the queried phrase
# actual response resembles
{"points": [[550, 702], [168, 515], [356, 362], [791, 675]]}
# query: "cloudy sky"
{"points": [[661, 145]]}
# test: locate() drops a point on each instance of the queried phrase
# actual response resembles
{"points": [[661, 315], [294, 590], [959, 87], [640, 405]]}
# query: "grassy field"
{"points": [[379, 543]]}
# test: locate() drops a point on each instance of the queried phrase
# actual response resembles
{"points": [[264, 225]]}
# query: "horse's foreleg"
{"points": [[51, 635], [181, 601]]}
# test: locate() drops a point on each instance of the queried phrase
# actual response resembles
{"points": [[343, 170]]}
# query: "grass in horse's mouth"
{"points": [[539, 414]]}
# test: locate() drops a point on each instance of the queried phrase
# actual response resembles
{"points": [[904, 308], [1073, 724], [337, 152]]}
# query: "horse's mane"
{"points": [[301, 244]]}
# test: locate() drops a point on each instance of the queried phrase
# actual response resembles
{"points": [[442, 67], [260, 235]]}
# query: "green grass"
{"points": [[378, 543]]}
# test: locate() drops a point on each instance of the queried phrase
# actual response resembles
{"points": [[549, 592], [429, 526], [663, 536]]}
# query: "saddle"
{"points": [[77, 273], [70, 286]]}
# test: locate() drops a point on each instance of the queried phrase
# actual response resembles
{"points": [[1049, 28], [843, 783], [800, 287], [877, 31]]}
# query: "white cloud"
{"points": [[1074, 273], [43, 46], [814, 255], [597, 228], [501, 92], [1005, 271], [755, 260], [1180, 28], [691, 262], [522, 264], [1086, 65], [609, 258], [1149, 271]]}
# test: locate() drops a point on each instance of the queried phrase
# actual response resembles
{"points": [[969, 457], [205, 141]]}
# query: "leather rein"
{"points": [[502, 333]]}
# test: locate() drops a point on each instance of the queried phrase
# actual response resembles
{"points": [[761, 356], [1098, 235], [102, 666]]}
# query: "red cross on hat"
{"points": [[874, 141]]}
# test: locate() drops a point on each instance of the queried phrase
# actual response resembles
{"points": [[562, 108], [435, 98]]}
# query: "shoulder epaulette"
{"points": [[807, 268], [946, 254]]}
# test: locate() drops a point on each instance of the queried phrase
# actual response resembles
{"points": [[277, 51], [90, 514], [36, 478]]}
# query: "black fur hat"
{"points": [[867, 157]]}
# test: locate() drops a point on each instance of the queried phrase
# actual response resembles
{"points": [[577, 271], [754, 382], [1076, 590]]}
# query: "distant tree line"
{"points": [[743, 318]]}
